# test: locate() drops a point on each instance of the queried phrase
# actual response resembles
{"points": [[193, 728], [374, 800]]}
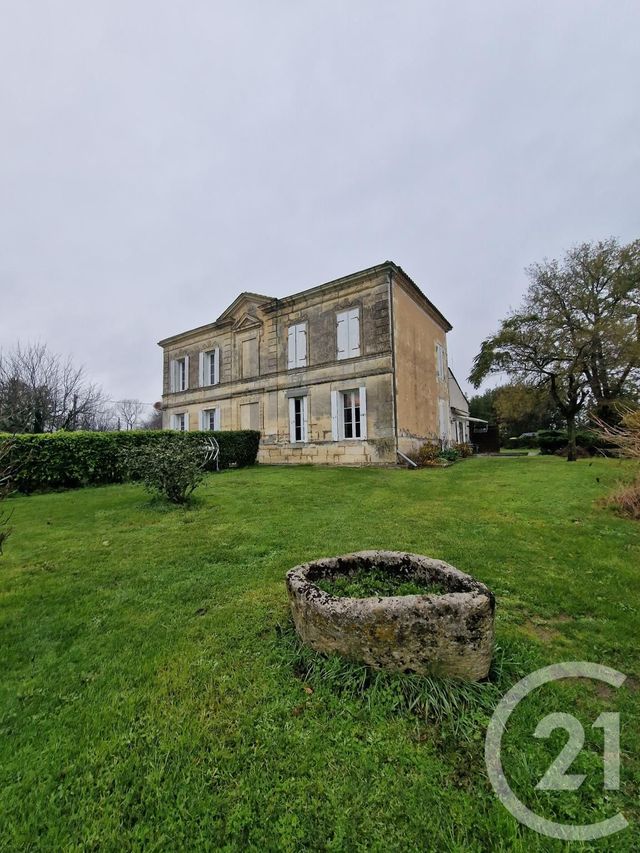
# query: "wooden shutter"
{"points": [[172, 378], [216, 418], [354, 332], [202, 420], [335, 414], [202, 358], [343, 334], [363, 412], [301, 345], [305, 419], [291, 347], [186, 421], [292, 419], [216, 366], [186, 372]]}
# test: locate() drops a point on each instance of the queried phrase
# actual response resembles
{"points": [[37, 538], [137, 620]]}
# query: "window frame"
{"points": [[302, 400], [338, 409], [205, 419]]}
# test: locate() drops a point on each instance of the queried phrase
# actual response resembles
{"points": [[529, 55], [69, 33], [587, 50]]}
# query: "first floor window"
{"points": [[349, 414], [298, 408], [180, 422], [210, 367], [210, 420], [179, 379]]}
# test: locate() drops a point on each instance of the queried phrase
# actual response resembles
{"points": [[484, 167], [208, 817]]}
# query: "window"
{"points": [[180, 422], [441, 363], [210, 367], [179, 374], [298, 408], [348, 333], [210, 420], [297, 346], [349, 414]]}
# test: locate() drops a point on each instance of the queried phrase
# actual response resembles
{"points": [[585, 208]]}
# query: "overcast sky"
{"points": [[157, 158]]}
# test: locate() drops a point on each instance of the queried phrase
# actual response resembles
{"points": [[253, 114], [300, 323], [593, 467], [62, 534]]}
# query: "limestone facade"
{"points": [[346, 373]]}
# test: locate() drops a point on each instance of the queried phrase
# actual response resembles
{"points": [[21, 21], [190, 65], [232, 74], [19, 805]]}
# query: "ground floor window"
{"points": [[298, 407], [180, 422], [349, 414], [210, 420]]}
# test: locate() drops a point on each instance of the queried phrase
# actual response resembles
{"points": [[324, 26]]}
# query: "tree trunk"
{"points": [[571, 432]]}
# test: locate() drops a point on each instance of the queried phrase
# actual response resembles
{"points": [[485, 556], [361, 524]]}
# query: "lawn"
{"points": [[153, 696]]}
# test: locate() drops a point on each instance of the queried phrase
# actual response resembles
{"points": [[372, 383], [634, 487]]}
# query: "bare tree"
{"points": [[129, 411], [41, 392], [154, 420]]}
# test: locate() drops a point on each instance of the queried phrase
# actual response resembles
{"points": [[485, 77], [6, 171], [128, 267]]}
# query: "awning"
{"points": [[464, 416]]}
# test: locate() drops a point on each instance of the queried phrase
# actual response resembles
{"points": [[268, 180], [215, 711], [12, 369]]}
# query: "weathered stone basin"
{"points": [[449, 634]]}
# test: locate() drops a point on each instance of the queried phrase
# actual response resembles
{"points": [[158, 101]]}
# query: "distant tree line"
{"points": [[42, 392], [574, 341]]}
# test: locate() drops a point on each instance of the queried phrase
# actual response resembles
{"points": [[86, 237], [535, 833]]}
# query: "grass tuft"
{"points": [[459, 708]]}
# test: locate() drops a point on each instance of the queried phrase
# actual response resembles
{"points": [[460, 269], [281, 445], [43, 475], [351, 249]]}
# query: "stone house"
{"points": [[349, 372]]}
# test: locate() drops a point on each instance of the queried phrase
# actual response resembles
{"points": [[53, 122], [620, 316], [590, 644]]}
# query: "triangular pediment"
{"points": [[244, 306], [247, 321]]}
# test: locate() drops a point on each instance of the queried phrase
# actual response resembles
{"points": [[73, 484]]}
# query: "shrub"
{"points": [[626, 438], [464, 449], [626, 500], [449, 454], [63, 460], [556, 441], [427, 455], [168, 468]]}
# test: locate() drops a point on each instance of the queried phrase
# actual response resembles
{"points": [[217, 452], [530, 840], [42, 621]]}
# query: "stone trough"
{"points": [[448, 634]]}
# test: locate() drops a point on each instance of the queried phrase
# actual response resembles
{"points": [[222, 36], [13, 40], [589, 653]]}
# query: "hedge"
{"points": [[64, 460], [554, 440]]}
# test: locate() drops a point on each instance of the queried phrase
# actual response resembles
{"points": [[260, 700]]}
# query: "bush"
{"points": [[529, 442], [64, 460], [431, 454], [171, 469], [449, 454], [464, 449], [556, 441]]}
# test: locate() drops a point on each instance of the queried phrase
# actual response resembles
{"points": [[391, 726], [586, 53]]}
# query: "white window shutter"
{"points": [[305, 419], [363, 412], [216, 366], [202, 419], [172, 378], [186, 372], [291, 347], [201, 369], [186, 421], [335, 411], [301, 346], [292, 419], [354, 332], [343, 334], [216, 419]]}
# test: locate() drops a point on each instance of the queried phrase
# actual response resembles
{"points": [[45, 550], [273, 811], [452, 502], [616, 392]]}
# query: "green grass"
{"points": [[377, 581], [153, 695]]}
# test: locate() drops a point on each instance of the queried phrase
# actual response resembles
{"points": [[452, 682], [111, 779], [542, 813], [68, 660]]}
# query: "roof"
{"points": [[270, 303]]}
